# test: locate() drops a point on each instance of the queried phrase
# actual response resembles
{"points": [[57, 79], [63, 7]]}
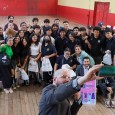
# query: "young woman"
{"points": [[21, 35], [35, 54], [5, 70], [72, 42], [15, 58], [24, 55], [55, 32], [80, 54], [48, 51]]}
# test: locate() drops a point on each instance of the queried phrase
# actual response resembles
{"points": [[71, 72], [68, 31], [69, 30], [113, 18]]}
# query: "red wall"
{"points": [[13, 7], [81, 15], [47, 7], [28, 7]]}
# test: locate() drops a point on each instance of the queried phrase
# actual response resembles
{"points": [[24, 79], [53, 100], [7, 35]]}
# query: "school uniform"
{"points": [[5, 70], [45, 51], [110, 45], [62, 60], [71, 45], [103, 84], [96, 48], [60, 45]]}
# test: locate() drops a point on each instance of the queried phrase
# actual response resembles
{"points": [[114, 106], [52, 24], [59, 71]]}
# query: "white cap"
{"points": [[108, 26], [67, 67]]}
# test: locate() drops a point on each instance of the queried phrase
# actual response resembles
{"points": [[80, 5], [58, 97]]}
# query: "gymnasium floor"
{"points": [[25, 100]]}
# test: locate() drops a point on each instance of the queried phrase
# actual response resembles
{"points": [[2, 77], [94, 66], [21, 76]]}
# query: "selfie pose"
{"points": [[54, 98]]}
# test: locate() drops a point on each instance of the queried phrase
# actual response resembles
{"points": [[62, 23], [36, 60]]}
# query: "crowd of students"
{"points": [[28, 45]]}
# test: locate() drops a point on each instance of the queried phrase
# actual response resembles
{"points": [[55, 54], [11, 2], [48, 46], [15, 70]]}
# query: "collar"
{"points": [[85, 67]]}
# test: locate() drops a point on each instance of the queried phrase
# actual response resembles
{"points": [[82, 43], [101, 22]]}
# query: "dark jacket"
{"points": [[80, 70], [109, 81], [54, 100]]}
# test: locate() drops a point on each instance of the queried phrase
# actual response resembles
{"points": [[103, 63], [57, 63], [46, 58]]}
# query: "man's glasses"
{"points": [[65, 77]]}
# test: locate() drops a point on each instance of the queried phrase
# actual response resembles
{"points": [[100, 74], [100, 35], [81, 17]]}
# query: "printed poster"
{"points": [[88, 92]]}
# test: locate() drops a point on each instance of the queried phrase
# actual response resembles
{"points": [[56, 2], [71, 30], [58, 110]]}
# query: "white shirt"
{"points": [[86, 69], [35, 49]]}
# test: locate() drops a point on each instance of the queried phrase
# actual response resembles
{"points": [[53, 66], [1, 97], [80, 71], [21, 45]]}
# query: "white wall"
{"points": [[86, 4]]}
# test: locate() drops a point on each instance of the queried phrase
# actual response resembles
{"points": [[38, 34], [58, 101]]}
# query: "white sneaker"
{"points": [[6, 91], [10, 90], [18, 86], [14, 88]]}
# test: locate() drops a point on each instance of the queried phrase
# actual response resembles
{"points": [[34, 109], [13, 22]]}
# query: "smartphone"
{"points": [[107, 71]]}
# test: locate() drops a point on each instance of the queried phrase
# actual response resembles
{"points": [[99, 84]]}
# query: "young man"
{"points": [[66, 27], [11, 20], [60, 42], [35, 21], [54, 98], [46, 25], [96, 45], [24, 27], [83, 68], [84, 39], [110, 44]]}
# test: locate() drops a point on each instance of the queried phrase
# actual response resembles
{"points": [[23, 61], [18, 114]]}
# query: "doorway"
{"points": [[101, 10], [32, 7]]}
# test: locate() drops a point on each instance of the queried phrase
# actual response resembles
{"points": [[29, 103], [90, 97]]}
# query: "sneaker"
{"points": [[18, 86], [6, 91], [27, 82], [107, 103], [14, 88], [10, 90], [112, 103]]}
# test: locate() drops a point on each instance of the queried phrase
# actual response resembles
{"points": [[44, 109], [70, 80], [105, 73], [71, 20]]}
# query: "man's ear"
{"points": [[54, 78]]}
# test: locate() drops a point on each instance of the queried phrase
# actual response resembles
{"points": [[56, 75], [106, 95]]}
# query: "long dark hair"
{"points": [[43, 43], [38, 38]]}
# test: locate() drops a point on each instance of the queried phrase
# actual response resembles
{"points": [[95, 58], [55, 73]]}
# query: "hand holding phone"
{"points": [[107, 71]]}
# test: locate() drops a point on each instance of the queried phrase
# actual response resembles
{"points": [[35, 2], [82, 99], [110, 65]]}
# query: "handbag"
{"points": [[33, 66], [23, 74], [4, 60]]}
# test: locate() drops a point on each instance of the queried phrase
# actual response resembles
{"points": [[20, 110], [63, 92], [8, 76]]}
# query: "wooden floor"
{"points": [[25, 101]]}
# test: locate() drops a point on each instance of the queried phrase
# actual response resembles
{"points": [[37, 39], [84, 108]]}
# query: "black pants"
{"points": [[5, 76], [97, 59], [102, 89], [47, 77], [35, 78]]}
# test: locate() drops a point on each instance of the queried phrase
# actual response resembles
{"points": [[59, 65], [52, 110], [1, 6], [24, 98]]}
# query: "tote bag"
{"points": [[46, 65], [17, 72], [33, 66], [23, 74]]}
